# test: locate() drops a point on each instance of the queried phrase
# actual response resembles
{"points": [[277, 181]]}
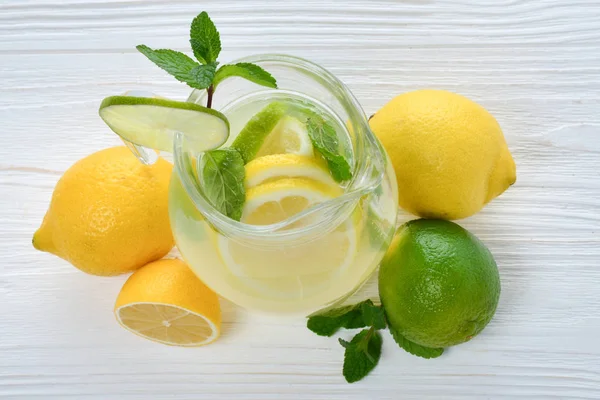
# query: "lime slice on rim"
{"points": [[153, 122]]}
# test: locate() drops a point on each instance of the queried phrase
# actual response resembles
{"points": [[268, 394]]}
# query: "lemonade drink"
{"points": [[301, 264]]}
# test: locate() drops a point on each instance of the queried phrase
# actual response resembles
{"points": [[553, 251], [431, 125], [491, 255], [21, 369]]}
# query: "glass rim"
{"points": [[367, 150]]}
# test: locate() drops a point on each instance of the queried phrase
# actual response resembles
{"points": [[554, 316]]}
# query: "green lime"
{"points": [[438, 283], [152, 122], [254, 134]]}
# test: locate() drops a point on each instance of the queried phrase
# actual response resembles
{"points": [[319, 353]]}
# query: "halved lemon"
{"points": [[276, 166], [289, 271], [165, 302]]}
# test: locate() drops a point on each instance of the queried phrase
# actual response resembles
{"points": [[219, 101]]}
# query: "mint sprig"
{"points": [[222, 178], [362, 353], [205, 42], [326, 142]]}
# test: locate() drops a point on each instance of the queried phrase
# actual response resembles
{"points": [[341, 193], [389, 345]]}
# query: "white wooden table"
{"points": [[534, 64]]}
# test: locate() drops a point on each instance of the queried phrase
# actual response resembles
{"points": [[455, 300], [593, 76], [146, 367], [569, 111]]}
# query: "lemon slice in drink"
{"points": [[289, 136], [275, 201], [276, 166], [153, 122], [290, 271], [165, 302]]}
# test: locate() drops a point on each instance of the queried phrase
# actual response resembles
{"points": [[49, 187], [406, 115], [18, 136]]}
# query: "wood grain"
{"points": [[534, 64]]}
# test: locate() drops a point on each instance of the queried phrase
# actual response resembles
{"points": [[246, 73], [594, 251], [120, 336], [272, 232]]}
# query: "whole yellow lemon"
{"points": [[109, 214], [449, 153]]}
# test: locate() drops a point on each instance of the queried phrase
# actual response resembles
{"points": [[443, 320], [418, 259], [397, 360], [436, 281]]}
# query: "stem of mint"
{"points": [[209, 96]]}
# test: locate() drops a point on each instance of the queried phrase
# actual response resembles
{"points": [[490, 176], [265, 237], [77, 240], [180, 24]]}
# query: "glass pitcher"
{"points": [[313, 259]]}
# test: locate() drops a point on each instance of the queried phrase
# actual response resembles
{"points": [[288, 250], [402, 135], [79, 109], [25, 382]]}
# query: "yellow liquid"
{"points": [[292, 276]]}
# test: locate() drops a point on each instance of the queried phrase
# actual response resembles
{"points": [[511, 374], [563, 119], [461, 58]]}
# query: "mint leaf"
{"points": [[413, 348], [223, 176], [339, 167], [325, 141], [249, 71], [205, 39], [327, 324], [323, 136], [204, 75], [362, 354], [349, 317], [175, 63], [373, 315]]}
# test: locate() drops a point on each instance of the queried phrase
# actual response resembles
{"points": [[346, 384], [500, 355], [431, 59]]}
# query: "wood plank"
{"points": [[57, 25]]}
